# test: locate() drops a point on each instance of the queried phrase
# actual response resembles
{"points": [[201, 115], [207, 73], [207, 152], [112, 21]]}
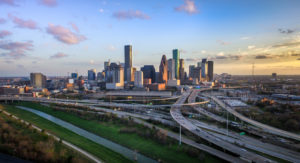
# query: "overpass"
{"points": [[179, 118]]}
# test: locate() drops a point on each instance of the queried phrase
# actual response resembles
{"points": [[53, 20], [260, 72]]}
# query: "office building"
{"points": [[163, 70], [38, 80], [128, 61], [195, 74], [149, 72], [203, 68], [181, 69], [92, 74], [74, 75], [106, 65], [176, 57], [198, 64], [171, 69], [210, 71], [115, 77], [138, 79], [191, 67]]}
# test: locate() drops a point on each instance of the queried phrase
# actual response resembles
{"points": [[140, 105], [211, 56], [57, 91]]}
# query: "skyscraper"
{"points": [[163, 70], [92, 74], [181, 69], [74, 75], [203, 68], [149, 72], [176, 57], [128, 61], [38, 80], [171, 69], [191, 68], [210, 70]]}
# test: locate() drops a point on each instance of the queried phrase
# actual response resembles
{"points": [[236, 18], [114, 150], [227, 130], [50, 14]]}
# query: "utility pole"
{"points": [[227, 122], [179, 134]]}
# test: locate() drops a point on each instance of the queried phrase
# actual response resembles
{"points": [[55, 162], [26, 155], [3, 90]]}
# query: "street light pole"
{"points": [[227, 122], [179, 134]]}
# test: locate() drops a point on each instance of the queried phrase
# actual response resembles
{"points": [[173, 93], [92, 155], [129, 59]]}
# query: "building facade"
{"points": [[38, 80], [176, 57], [128, 61], [163, 70], [138, 79]]}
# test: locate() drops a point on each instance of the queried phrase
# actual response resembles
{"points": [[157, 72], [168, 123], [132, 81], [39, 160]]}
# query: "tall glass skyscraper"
{"points": [[176, 57], [128, 61], [204, 68]]}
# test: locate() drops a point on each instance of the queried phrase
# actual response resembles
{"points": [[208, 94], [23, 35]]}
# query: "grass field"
{"points": [[166, 153], [101, 152], [27, 143]]}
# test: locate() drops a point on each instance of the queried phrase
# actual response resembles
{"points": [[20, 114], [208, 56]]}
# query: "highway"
{"points": [[179, 118], [245, 141], [266, 128]]}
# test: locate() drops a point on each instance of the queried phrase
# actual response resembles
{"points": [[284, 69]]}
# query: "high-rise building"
{"points": [[106, 65], [210, 70], [38, 80], [74, 75], [176, 57], [128, 61], [115, 77], [171, 69], [138, 79], [195, 73], [92, 74], [163, 70], [191, 67], [181, 70], [149, 72], [198, 64], [130, 74], [204, 68]]}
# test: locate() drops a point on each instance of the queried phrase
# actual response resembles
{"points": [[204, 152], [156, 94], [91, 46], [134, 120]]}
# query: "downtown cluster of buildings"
{"points": [[171, 73]]}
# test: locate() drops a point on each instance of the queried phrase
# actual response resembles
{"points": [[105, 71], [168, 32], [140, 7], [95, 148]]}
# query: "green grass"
{"points": [[100, 151], [28, 135], [167, 153]]}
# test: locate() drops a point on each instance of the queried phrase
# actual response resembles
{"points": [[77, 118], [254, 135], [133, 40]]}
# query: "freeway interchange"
{"points": [[235, 148]]}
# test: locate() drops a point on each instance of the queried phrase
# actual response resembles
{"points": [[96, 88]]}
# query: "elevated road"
{"points": [[179, 118], [266, 128]]}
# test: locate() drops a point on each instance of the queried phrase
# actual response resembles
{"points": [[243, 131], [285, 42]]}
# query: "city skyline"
{"points": [[56, 42]]}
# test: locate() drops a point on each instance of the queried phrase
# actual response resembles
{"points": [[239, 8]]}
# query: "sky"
{"points": [[58, 37]]}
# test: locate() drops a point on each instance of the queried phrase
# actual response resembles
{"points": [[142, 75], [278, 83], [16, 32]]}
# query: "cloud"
{"points": [[64, 35], [20, 66], [227, 57], [49, 3], [222, 42], [74, 26], [30, 24], [294, 55], [285, 31], [203, 51], [287, 44], [111, 48], [245, 38], [251, 47], [101, 10], [2, 21], [298, 59], [15, 50], [262, 56], [188, 7], [58, 56], [4, 33], [123, 15], [8, 2]]}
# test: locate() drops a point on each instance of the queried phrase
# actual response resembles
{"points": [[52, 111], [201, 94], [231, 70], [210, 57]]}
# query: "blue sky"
{"points": [[60, 36]]}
